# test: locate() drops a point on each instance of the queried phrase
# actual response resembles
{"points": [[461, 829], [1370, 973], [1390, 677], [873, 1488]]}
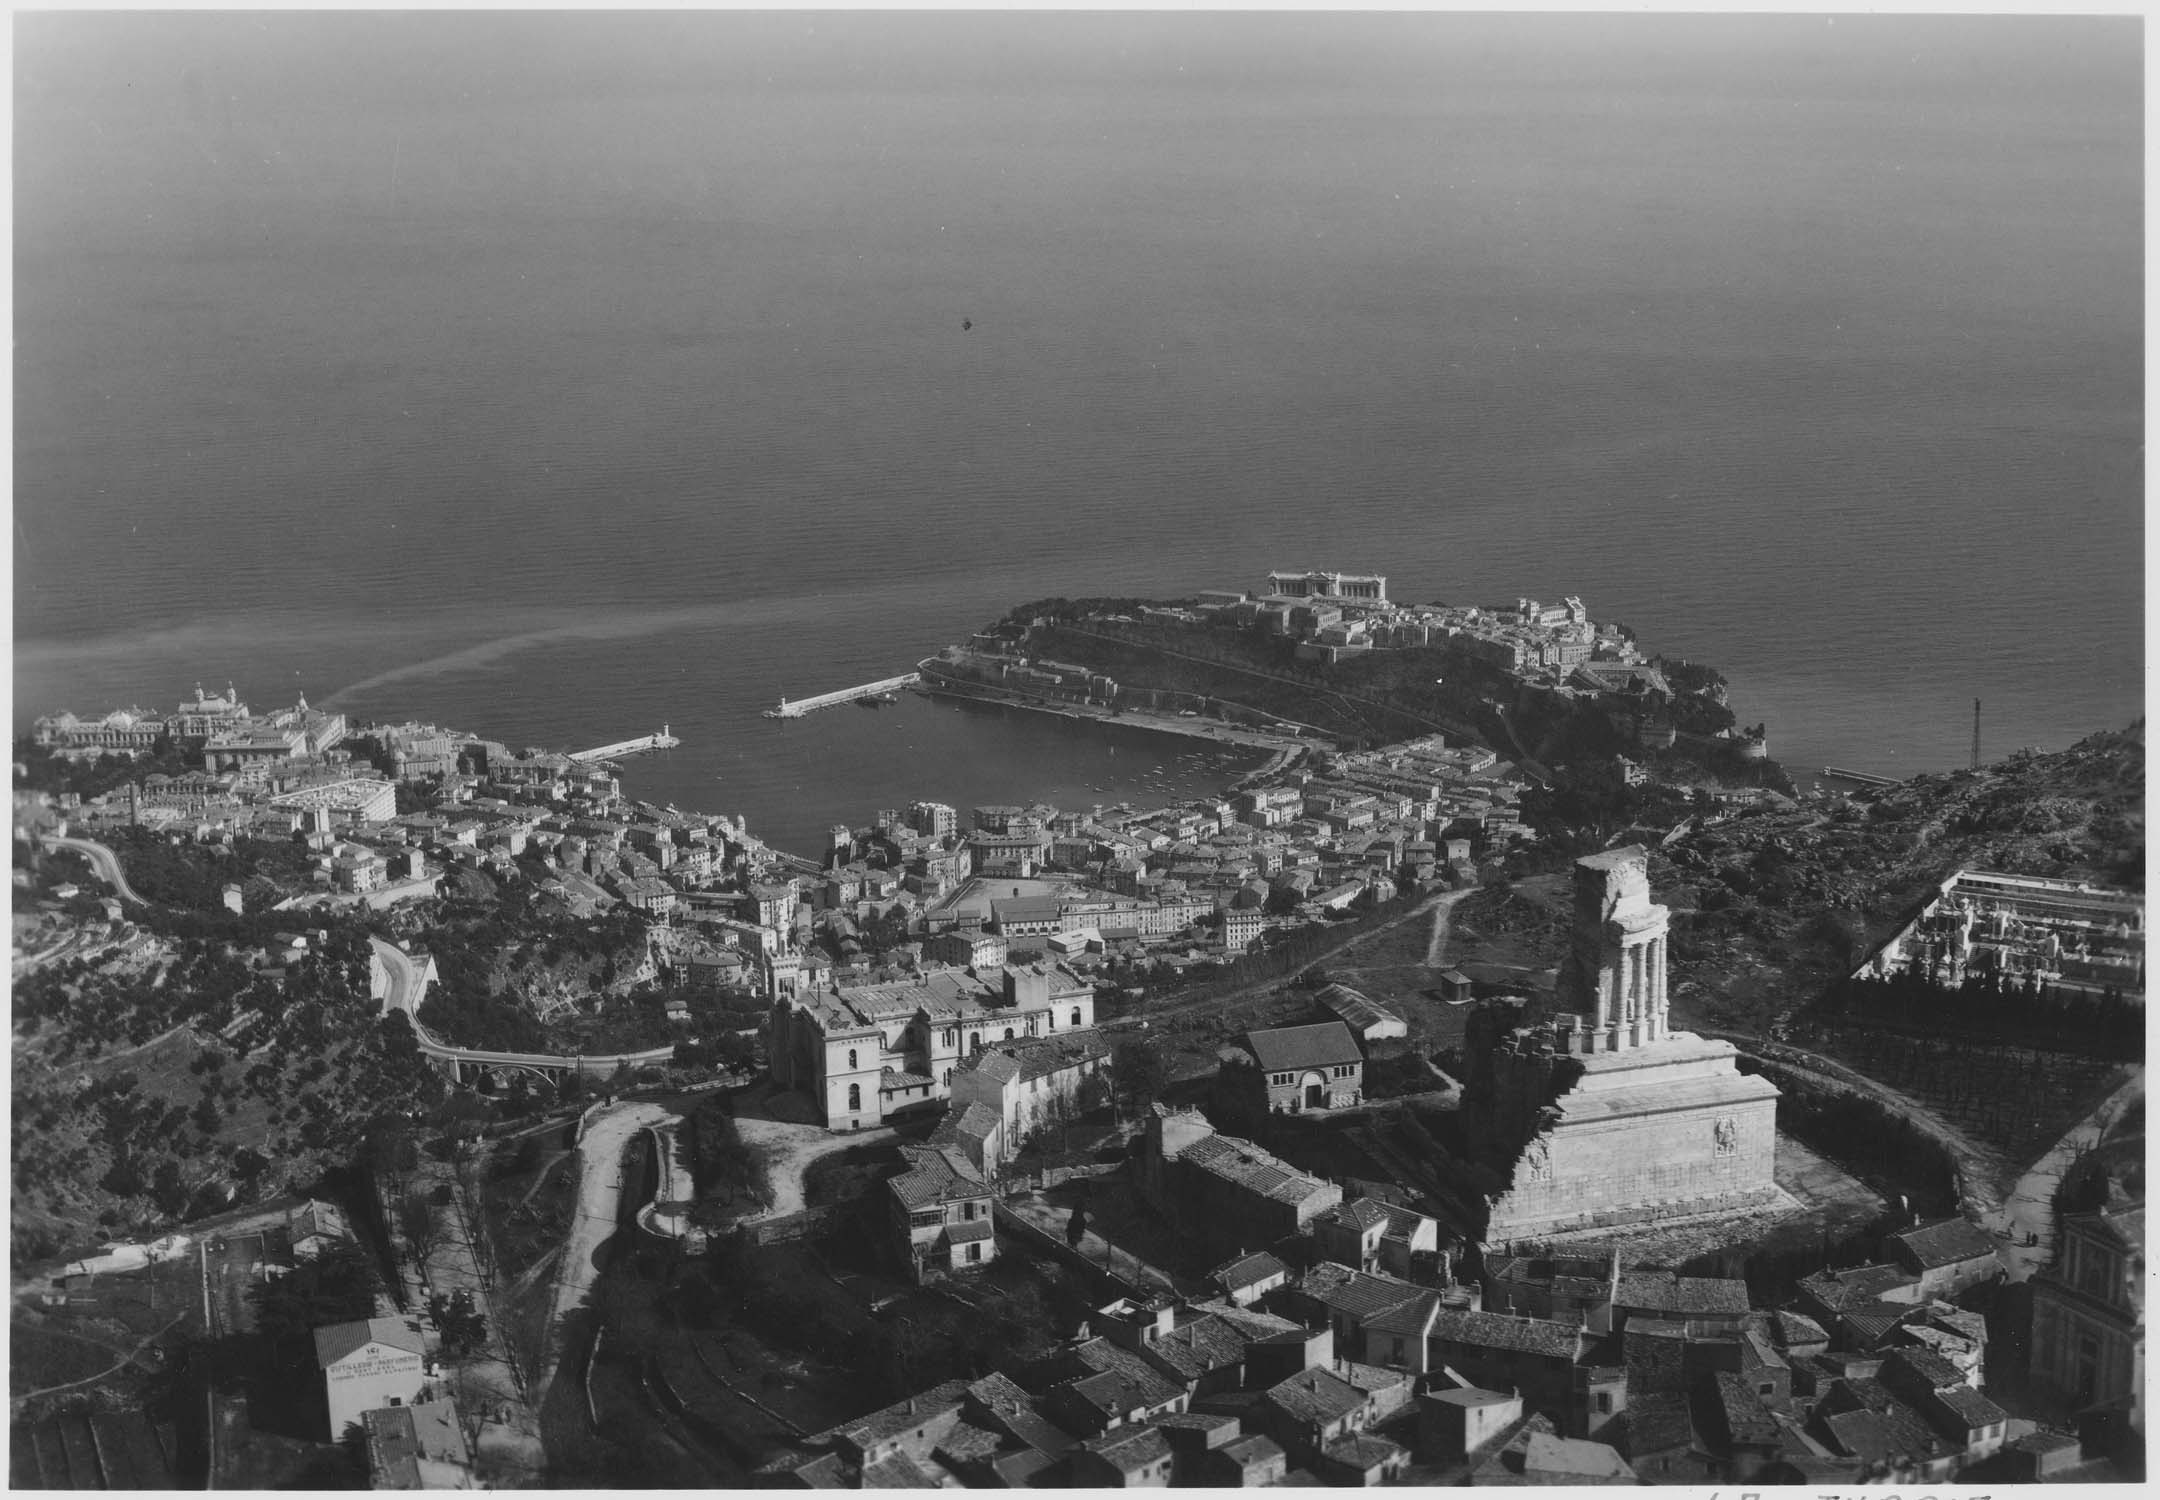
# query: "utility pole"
{"points": [[1976, 735]]}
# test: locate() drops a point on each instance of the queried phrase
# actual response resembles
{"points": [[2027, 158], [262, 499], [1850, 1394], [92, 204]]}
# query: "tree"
{"points": [[1139, 1074], [464, 1328], [416, 1217], [337, 1286]]}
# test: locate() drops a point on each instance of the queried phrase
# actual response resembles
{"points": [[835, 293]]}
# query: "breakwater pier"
{"points": [[661, 741], [796, 708], [1865, 778]]}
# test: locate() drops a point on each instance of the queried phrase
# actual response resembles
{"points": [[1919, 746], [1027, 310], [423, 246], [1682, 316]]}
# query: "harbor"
{"points": [[661, 741], [883, 689], [1192, 726]]}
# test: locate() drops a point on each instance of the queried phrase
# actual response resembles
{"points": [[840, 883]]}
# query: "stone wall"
{"points": [[1640, 1169]]}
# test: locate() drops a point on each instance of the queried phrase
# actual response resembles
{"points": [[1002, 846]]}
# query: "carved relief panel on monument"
{"points": [[1726, 1134]]}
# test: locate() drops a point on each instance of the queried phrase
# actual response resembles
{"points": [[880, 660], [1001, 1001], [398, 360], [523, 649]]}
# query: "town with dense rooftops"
{"points": [[1417, 1109]]}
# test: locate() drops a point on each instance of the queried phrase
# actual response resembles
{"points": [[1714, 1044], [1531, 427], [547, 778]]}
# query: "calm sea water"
{"points": [[557, 376]]}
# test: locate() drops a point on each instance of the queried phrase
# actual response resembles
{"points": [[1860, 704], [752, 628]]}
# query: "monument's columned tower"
{"points": [[1610, 1116], [1613, 980]]}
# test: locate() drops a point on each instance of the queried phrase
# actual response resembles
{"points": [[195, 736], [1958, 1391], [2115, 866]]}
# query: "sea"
{"points": [[561, 376]]}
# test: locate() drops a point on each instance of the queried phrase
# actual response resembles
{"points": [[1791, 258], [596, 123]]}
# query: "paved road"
{"points": [[104, 861], [600, 1154], [404, 992]]}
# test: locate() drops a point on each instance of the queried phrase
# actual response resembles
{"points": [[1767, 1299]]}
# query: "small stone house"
{"points": [[941, 1212], [1308, 1067], [1948, 1256]]}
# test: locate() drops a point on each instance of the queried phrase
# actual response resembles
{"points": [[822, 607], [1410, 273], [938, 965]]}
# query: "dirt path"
{"points": [[2029, 1212], [1436, 945], [125, 1360]]}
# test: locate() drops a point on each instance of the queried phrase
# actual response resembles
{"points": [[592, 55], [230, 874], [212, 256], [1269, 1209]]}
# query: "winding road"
{"points": [[405, 990], [600, 1156], [102, 860]]}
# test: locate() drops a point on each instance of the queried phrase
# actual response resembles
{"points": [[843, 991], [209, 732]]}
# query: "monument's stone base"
{"points": [[1645, 1135]]}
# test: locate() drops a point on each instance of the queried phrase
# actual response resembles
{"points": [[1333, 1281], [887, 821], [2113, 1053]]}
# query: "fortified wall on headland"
{"points": [[1608, 1116]]}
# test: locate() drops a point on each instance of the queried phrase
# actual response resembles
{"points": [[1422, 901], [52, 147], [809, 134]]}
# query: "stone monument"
{"points": [[1607, 1115]]}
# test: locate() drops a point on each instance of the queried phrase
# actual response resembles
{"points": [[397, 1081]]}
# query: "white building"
{"points": [[869, 1050], [368, 1363]]}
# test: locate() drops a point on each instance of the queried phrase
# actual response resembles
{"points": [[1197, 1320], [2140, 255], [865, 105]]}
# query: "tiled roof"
{"points": [[1834, 1289], [336, 1340], [1403, 1223], [1408, 1319], [968, 1231], [1670, 1292], [1315, 1396], [1288, 1048], [1363, 1451], [1658, 1421], [1796, 1328], [975, 1122], [1863, 1434], [1357, 1294], [967, 1443], [1240, 1161], [828, 1471], [1371, 1377], [896, 1471], [1747, 1420], [1906, 1430], [1248, 1270], [1038, 1057], [1945, 1243], [1869, 1321], [889, 1421], [1130, 1449], [937, 1175], [1018, 1470], [1258, 1326], [1358, 1214], [1967, 1325], [1122, 1381], [999, 1403], [895, 1078], [1970, 1407], [1356, 1008], [1486, 1330], [1928, 1368], [1252, 1449], [1546, 1453], [1205, 1344]]}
